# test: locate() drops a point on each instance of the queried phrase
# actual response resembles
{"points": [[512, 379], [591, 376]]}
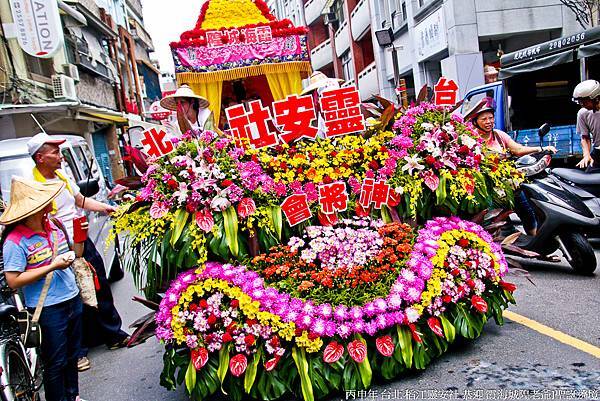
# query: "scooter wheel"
{"points": [[583, 258]]}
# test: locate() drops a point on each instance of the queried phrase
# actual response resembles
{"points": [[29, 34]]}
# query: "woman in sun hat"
{"points": [[317, 84], [37, 260], [192, 110]]}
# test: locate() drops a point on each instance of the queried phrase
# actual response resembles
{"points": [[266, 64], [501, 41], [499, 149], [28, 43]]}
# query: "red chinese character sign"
{"points": [[156, 143], [446, 92], [341, 111], [294, 116], [378, 193], [296, 210], [333, 197], [252, 125]]}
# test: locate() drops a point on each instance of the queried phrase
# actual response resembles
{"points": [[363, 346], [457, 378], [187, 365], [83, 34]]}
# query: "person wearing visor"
{"points": [[587, 95], [319, 83], [499, 142], [192, 110]]}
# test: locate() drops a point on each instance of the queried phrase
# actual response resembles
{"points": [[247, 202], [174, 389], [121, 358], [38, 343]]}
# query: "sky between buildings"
{"points": [[166, 20]]}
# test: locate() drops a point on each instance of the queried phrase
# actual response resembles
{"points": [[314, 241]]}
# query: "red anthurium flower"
{"points": [[357, 350], [394, 199], [333, 352], [199, 357], [436, 326], [246, 207], [510, 287], [234, 303], [327, 219], [205, 220], [212, 319], [227, 338], [385, 345], [173, 184], [455, 272], [446, 299], [361, 211], [479, 303], [272, 363], [470, 283], [203, 304], [238, 365], [415, 334]]}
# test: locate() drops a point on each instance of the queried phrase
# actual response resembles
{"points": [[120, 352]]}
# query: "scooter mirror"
{"points": [[544, 129]]}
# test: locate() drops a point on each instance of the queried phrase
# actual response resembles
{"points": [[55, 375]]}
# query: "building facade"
{"points": [[429, 38], [98, 80]]}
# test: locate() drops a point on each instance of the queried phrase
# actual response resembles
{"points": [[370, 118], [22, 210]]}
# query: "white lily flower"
{"points": [[412, 163]]}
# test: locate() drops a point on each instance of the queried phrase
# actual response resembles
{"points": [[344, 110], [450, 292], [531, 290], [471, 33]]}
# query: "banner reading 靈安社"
{"points": [[210, 59]]}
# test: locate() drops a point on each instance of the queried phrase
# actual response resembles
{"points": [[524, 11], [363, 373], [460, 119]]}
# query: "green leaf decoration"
{"points": [[223, 365], [440, 192], [181, 217], [385, 215], [364, 368], [299, 356], [190, 377], [230, 222], [449, 329], [277, 220], [405, 339], [250, 375]]}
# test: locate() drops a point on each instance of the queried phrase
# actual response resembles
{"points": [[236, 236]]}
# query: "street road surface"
{"points": [[510, 362]]}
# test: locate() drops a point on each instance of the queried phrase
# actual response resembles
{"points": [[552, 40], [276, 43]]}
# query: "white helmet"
{"points": [[587, 89]]}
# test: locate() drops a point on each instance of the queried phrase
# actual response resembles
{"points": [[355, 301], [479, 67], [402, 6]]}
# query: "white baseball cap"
{"points": [[39, 140]]}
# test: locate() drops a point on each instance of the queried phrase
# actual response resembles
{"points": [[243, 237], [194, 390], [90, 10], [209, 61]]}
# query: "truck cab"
{"points": [[535, 87]]}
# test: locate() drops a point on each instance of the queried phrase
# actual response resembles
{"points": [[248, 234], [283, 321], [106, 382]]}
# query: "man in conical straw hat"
{"points": [[317, 84], [37, 256], [192, 110]]}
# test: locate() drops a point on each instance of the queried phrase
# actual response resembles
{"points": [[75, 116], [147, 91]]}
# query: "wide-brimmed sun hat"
{"points": [[184, 91], [485, 104], [29, 197], [318, 80]]}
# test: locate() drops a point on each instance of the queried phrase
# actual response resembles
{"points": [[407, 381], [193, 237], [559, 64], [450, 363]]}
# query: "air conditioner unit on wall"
{"points": [[64, 87], [72, 71], [329, 18]]}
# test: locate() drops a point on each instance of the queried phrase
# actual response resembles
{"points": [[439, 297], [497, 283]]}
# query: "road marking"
{"points": [[555, 334]]}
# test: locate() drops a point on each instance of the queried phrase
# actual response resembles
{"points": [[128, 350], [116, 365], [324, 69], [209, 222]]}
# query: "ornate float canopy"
{"points": [[236, 39]]}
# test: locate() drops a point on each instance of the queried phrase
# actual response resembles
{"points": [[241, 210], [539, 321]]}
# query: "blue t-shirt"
{"points": [[26, 250]]}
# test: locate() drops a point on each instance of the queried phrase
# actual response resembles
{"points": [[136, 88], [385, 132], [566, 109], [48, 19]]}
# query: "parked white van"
{"points": [[78, 159]]}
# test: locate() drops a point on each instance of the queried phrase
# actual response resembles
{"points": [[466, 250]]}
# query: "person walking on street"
{"points": [[587, 95], [104, 324], [37, 259]]}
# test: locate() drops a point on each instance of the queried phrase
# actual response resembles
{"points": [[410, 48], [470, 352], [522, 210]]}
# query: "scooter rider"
{"points": [[496, 141], [587, 95]]}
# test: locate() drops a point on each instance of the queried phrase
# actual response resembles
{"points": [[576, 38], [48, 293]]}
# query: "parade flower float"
{"points": [[316, 265]]}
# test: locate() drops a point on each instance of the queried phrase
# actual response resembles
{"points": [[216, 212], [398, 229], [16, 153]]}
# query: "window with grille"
{"points": [[40, 69]]}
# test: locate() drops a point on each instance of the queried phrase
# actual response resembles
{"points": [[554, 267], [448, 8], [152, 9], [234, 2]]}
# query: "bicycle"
{"points": [[20, 371]]}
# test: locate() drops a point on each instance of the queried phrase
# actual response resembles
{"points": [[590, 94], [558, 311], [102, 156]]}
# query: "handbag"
{"points": [[30, 324], [85, 274]]}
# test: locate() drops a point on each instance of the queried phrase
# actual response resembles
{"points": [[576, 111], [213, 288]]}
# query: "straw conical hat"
{"points": [[28, 198], [184, 91]]}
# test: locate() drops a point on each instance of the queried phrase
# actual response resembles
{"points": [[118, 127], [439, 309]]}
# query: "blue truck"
{"points": [[535, 86]]}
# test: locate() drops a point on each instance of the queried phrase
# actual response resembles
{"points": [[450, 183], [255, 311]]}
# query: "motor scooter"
{"points": [[564, 220]]}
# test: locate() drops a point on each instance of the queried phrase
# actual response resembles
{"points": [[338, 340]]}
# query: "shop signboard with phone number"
{"points": [[552, 46]]}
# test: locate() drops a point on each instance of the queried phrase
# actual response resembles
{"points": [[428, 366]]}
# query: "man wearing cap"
{"points": [[104, 325], [319, 83], [192, 110]]}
